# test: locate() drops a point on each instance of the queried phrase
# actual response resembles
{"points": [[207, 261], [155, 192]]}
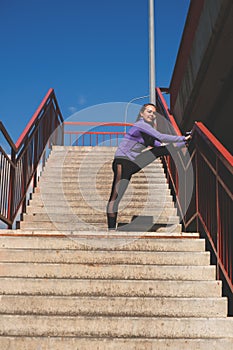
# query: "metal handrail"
{"points": [[18, 167], [211, 206], [92, 136]]}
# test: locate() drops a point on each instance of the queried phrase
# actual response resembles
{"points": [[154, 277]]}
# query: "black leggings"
{"points": [[123, 170]]}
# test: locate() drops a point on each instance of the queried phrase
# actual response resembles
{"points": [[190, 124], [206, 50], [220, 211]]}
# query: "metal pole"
{"points": [[152, 52]]}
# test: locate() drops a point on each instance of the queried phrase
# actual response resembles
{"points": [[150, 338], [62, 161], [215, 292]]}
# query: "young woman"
{"points": [[129, 158]]}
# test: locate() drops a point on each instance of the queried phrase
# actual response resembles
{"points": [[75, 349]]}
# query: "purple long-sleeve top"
{"points": [[142, 135]]}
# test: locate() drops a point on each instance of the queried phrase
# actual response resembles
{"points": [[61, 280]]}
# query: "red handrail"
{"points": [[214, 143], [20, 168], [97, 123], [33, 119], [210, 209], [78, 137]]}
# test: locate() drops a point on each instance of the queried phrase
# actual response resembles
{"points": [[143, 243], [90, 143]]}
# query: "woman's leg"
{"points": [[123, 170], [147, 157], [122, 176]]}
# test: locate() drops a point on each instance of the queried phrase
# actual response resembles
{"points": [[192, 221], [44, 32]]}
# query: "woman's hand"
{"points": [[188, 137]]}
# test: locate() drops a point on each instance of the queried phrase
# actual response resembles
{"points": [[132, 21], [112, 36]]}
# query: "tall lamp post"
{"points": [[152, 52], [152, 94]]}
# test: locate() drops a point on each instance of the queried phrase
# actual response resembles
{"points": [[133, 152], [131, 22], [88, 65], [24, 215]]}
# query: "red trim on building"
{"points": [[170, 116]]}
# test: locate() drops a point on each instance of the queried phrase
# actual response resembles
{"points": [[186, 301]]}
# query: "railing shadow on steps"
{"points": [[19, 163], [211, 207]]}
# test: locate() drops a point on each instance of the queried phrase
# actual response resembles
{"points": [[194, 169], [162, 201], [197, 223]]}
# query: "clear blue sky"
{"points": [[89, 51]]}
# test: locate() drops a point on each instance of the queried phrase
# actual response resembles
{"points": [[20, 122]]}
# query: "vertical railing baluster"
{"points": [[218, 226], [11, 200]]}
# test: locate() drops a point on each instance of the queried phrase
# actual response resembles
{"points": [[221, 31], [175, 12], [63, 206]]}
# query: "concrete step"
{"points": [[74, 180], [115, 327], [75, 177], [51, 212], [98, 172], [87, 159], [75, 153], [105, 157], [94, 154], [110, 287], [160, 229], [106, 271], [92, 198], [100, 187], [84, 149], [92, 215], [54, 227], [81, 223], [154, 198], [114, 306], [48, 200], [78, 187], [74, 172], [104, 257], [98, 217], [156, 193], [97, 153], [103, 161], [106, 343], [80, 202], [90, 155], [94, 168], [74, 206], [107, 242], [106, 192], [96, 200]]}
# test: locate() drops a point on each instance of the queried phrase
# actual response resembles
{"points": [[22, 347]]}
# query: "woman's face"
{"points": [[149, 114]]}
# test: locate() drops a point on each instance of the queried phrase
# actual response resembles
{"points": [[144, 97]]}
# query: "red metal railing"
{"points": [[19, 169], [95, 135], [210, 209]]}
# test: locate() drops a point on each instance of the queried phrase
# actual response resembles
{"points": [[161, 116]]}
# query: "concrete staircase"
{"points": [[67, 283], [76, 185]]}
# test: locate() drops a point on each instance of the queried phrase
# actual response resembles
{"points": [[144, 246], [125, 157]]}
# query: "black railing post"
{"points": [[11, 198], [35, 160], [24, 179]]}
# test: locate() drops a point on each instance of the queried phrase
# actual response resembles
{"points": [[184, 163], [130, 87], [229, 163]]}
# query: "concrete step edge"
{"points": [[168, 214], [96, 194], [166, 230], [116, 327], [37, 207], [105, 343], [109, 287], [114, 257], [106, 271], [114, 306], [67, 241]]}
